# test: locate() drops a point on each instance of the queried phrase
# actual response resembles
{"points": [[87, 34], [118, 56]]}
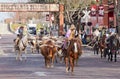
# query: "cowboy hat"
{"points": [[72, 27]]}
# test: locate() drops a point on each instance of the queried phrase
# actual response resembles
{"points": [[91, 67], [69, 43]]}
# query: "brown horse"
{"points": [[48, 50], [73, 52], [102, 45]]}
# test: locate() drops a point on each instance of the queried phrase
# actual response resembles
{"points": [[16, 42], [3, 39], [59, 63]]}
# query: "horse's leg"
{"points": [[115, 56], [105, 52], [17, 57], [76, 57], [109, 52], [97, 50], [25, 53], [72, 64], [111, 56], [101, 52], [67, 63]]}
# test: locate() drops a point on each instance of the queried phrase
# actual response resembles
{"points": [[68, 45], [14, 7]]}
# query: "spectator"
{"points": [[84, 36]]}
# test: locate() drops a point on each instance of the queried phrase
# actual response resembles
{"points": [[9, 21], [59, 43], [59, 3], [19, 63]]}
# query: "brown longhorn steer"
{"points": [[48, 50]]}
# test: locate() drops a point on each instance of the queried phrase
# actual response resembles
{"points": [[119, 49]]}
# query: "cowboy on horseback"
{"points": [[19, 33], [20, 30], [72, 48], [69, 35]]}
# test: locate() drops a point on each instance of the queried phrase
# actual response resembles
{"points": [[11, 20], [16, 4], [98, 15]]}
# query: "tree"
{"points": [[72, 9]]}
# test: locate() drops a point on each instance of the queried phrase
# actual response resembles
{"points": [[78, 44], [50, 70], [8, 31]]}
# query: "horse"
{"points": [[48, 50], [33, 43], [112, 47], [73, 51], [20, 46], [96, 45], [102, 45]]}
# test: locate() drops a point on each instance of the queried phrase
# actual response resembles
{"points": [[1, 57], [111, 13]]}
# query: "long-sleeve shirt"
{"points": [[68, 34]]}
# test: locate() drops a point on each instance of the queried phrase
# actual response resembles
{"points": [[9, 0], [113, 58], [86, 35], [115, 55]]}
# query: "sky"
{"points": [[4, 15]]}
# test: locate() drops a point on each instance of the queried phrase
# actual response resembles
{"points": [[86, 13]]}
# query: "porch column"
{"points": [[61, 19]]}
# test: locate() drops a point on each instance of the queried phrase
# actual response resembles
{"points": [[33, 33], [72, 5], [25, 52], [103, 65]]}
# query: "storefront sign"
{"points": [[15, 7]]}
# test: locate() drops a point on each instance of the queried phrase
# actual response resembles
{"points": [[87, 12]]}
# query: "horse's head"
{"points": [[73, 45], [114, 41]]}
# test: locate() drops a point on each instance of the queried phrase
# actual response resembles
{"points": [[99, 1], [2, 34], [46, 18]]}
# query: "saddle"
{"points": [[65, 44], [16, 43]]}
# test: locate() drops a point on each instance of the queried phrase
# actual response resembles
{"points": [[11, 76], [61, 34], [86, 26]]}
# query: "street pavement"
{"points": [[89, 66], [4, 29]]}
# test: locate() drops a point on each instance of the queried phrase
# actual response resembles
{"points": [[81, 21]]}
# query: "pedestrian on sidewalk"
{"points": [[84, 36]]}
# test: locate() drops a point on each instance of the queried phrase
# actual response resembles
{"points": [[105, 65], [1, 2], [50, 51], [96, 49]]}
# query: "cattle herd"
{"points": [[52, 48]]}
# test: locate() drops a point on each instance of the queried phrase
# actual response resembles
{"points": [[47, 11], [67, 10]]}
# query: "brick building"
{"points": [[103, 14]]}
